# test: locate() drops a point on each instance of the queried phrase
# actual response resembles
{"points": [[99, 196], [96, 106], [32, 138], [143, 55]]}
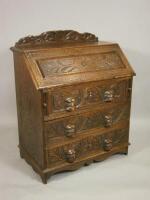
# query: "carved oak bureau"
{"points": [[73, 100]]}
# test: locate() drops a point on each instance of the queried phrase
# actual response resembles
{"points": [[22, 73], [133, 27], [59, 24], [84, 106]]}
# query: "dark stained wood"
{"points": [[57, 37], [87, 146], [73, 100], [80, 64], [29, 114], [72, 126], [85, 96]]}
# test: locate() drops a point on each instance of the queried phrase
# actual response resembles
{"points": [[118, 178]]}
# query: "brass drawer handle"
{"points": [[108, 144], [108, 121], [70, 104], [70, 130], [108, 96], [70, 155]]}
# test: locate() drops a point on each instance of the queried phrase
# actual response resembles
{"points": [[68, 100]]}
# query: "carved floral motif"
{"points": [[57, 37], [73, 126], [82, 63], [86, 146], [88, 95]]}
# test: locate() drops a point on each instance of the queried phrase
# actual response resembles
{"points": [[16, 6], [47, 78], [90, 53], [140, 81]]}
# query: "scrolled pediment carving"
{"points": [[62, 36]]}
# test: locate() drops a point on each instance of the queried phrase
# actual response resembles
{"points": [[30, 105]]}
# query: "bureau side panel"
{"points": [[29, 113]]}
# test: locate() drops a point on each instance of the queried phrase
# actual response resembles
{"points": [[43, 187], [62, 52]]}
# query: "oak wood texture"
{"points": [[73, 100]]}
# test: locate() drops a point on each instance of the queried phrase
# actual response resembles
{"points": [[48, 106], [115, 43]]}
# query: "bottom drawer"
{"points": [[81, 149]]}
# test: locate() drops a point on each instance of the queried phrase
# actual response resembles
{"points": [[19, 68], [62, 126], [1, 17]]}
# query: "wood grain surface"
{"points": [[73, 100]]}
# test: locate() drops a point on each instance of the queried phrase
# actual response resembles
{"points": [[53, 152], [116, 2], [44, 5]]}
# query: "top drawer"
{"points": [[65, 100]]}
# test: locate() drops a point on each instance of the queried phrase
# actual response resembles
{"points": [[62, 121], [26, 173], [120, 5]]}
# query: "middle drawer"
{"points": [[72, 126]]}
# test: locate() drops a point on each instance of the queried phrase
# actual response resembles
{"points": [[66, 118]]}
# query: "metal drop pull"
{"points": [[108, 144], [70, 130], [108, 96], [108, 120], [70, 155], [70, 104]]}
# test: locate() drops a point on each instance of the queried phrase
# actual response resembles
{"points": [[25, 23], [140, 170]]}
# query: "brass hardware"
{"points": [[70, 155], [70, 100], [108, 96], [90, 94], [108, 120], [108, 144], [44, 105], [70, 104], [70, 130]]}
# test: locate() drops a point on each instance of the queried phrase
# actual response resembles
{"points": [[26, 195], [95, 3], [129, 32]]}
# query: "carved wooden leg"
{"points": [[44, 178], [87, 163], [21, 154], [124, 151]]}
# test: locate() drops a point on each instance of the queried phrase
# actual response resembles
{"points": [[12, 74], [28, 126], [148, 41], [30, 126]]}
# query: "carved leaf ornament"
{"points": [[62, 36]]}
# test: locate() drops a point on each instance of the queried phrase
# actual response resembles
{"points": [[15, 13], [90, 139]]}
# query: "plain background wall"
{"points": [[124, 21]]}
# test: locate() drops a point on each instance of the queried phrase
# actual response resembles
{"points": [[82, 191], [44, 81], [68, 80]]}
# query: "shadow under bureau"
{"points": [[73, 100]]}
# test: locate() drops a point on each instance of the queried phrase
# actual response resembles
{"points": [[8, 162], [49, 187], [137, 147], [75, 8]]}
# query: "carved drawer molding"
{"points": [[75, 151], [69, 99], [72, 126]]}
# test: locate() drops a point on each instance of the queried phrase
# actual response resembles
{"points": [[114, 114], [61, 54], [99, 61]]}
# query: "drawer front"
{"points": [[71, 127], [73, 98], [91, 145]]}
